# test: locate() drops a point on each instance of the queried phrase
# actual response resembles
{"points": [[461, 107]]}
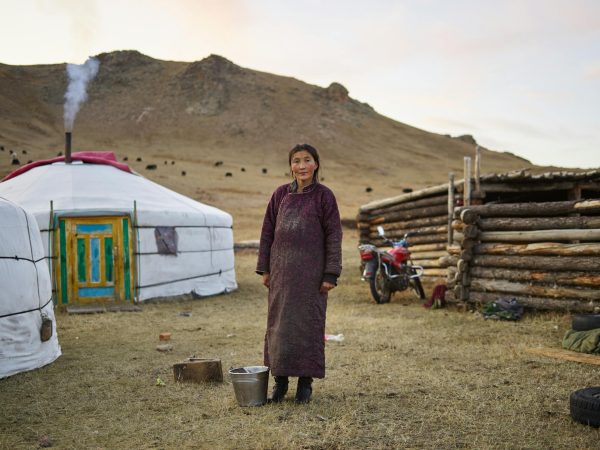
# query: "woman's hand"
{"points": [[326, 287], [265, 280]]}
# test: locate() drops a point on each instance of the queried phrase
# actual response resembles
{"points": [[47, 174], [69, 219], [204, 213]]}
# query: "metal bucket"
{"points": [[250, 385]]}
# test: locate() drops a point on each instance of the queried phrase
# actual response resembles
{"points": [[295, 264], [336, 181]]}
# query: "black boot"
{"points": [[279, 390], [304, 390]]}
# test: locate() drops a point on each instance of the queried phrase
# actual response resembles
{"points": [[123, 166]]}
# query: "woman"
{"points": [[299, 260]]}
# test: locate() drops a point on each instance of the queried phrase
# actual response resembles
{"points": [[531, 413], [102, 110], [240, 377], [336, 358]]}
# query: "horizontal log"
{"points": [[535, 290], [558, 263], [538, 223], [541, 248], [414, 240], [540, 236], [435, 272], [540, 303], [428, 211], [392, 234], [427, 255], [535, 209], [434, 263], [416, 223], [448, 260], [468, 216], [422, 193], [572, 278], [453, 249], [427, 247], [525, 187], [458, 225], [437, 200]]}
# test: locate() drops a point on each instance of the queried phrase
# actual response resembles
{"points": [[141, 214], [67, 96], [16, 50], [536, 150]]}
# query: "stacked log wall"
{"points": [[545, 255], [424, 216]]}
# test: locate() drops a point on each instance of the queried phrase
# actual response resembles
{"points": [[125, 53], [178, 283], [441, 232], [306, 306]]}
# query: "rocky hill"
{"points": [[200, 112]]}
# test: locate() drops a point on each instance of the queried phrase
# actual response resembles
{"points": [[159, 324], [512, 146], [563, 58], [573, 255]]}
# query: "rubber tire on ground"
{"points": [[584, 322], [585, 406], [417, 287], [380, 292]]}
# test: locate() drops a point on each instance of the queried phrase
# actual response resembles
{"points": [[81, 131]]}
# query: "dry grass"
{"points": [[405, 377]]}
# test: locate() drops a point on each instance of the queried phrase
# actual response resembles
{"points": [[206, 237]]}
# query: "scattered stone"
{"points": [[264, 170], [151, 167], [183, 173], [368, 189], [164, 348], [185, 314], [228, 174], [138, 159]]}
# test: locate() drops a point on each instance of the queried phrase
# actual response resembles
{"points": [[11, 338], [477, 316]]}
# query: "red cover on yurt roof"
{"points": [[90, 157]]}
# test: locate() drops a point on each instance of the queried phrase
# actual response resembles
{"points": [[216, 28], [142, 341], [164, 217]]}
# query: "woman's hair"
{"points": [[313, 152]]}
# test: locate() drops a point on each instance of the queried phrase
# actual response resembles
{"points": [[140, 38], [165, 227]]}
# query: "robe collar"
{"points": [[310, 187]]}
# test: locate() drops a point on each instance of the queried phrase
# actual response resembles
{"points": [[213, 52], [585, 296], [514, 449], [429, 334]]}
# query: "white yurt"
{"points": [[28, 338], [115, 236]]}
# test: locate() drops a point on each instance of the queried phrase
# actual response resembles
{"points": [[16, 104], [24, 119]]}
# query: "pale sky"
{"points": [[520, 75]]}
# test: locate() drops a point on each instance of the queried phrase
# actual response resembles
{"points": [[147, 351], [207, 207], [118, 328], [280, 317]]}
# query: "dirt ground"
{"points": [[404, 377]]}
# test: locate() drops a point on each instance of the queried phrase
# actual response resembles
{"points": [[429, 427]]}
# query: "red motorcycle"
{"points": [[390, 271]]}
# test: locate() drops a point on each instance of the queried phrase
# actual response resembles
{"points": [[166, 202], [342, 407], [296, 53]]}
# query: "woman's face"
{"points": [[303, 166]]}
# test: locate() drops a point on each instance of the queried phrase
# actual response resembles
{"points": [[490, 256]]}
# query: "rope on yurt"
{"points": [[186, 279], [37, 275], [27, 311]]}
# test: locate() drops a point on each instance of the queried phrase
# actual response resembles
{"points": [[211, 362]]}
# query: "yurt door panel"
{"points": [[95, 259]]}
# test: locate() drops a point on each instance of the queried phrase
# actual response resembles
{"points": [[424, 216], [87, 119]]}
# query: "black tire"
{"points": [[417, 287], [585, 406], [380, 289], [584, 322]]}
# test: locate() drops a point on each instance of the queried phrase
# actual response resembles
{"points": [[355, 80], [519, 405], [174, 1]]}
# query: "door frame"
{"points": [[64, 261]]}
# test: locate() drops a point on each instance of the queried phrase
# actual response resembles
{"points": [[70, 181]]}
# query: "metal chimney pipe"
{"points": [[68, 147]]}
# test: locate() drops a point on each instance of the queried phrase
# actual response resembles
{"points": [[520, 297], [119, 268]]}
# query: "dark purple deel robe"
{"points": [[300, 247]]}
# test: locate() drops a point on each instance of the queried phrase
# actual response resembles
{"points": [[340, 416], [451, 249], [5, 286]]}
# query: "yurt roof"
{"points": [[81, 186]]}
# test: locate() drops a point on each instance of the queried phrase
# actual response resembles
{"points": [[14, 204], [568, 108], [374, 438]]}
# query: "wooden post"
{"points": [[477, 169], [467, 176], [450, 207]]}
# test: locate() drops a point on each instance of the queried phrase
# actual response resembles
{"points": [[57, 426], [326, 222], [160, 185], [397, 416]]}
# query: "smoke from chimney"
{"points": [[79, 76]]}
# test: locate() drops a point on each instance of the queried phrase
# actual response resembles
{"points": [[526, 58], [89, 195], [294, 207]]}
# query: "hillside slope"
{"points": [[193, 114]]}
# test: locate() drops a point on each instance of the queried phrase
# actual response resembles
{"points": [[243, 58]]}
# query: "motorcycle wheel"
{"points": [[415, 283], [380, 289]]}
